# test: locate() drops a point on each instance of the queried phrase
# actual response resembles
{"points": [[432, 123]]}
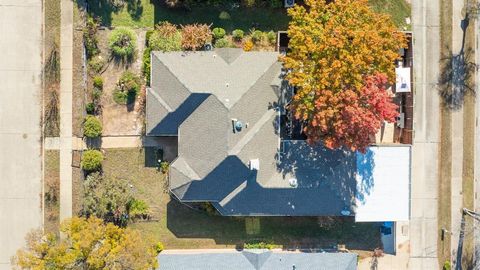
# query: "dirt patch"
{"points": [[120, 120]]}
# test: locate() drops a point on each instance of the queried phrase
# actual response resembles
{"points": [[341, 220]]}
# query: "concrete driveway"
{"points": [[20, 132]]}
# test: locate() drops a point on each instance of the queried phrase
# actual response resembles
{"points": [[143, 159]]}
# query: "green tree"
{"points": [[105, 197], [88, 244], [92, 127], [341, 60], [92, 160]]}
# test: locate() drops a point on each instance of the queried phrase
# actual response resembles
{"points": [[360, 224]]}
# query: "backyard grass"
{"points": [[146, 13], [52, 190], [178, 226], [398, 9]]}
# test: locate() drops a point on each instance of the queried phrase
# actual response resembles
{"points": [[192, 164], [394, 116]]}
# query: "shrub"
{"points": [[164, 165], [91, 160], [122, 42], [98, 82], [224, 16], [159, 247], [96, 94], [161, 42], [96, 64], [248, 46], [127, 88], [276, 3], [218, 33], [138, 209], [257, 36], [222, 43], [146, 65], [238, 34], [90, 108], [105, 197], [195, 36], [92, 127], [447, 265], [148, 34], [249, 3], [90, 37], [258, 245], [272, 37]]}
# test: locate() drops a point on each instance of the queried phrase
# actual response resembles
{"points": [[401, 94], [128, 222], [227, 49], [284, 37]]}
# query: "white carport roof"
{"points": [[383, 184]]}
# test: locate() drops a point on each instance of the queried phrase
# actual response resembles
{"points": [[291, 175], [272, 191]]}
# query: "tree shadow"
{"points": [[457, 72], [135, 9]]}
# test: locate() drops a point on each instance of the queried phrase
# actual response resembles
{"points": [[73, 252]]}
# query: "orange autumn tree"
{"points": [[341, 60]]}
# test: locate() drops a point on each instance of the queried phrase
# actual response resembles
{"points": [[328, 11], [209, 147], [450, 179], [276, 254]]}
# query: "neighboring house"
{"points": [[254, 260], [240, 149]]}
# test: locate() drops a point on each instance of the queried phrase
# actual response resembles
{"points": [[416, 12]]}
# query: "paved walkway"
{"points": [[66, 61], [20, 129], [423, 221], [53, 143]]}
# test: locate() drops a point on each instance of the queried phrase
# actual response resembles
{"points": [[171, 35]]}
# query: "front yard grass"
{"points": [[52, 191], [178, 226]]}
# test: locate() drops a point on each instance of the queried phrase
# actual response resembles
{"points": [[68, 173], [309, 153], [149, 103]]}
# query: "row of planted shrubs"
{"points": [[168, 37]]}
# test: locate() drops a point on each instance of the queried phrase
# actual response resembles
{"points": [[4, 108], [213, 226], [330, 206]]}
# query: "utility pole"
{"points": [[474, 215]]}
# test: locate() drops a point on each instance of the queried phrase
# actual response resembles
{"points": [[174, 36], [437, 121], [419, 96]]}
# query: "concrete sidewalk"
{"points": [[424, 186], [66, 61], [54, 143], [21, 46]]}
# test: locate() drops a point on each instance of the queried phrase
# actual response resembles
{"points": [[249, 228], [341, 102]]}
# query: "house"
{"points": [[256, 259], [240, 149]]}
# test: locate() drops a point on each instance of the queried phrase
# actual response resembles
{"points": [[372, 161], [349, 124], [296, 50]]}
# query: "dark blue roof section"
{"points": [[257, 260], [170, 123]]}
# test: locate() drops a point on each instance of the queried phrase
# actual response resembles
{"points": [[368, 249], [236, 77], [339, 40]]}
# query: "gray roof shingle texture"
{"points": [[258, 260], [196, 95]]}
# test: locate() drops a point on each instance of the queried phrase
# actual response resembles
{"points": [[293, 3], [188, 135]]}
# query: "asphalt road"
{"points": [[20, 132]]}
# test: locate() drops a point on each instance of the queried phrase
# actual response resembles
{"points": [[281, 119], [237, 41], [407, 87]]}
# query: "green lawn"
{"points": [[146, 13], [178, 226], [398, 9]]}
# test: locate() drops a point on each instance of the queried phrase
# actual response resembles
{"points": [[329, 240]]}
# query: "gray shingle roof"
{"points": [[190, 97], [257, 260]]}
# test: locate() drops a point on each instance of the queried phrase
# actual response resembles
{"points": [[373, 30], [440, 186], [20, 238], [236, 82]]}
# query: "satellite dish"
{"points": [[289, 3], [208, 47]]}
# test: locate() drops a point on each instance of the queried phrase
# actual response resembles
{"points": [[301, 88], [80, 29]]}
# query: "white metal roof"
{"points": [[383, 184]]}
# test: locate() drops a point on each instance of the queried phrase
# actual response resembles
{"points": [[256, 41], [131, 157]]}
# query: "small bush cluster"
{"points": [[223, 43], [127, 88], [92, 160], [90, 37], [258, 245], [218, 33], [122, 43], [238, 34], [248, 46], [195, 36], [92, 127], [166, 38], [138, 209], [96, 64]]}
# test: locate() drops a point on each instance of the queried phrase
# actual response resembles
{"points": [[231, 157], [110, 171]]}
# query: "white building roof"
{"points": [[383, 184]]}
